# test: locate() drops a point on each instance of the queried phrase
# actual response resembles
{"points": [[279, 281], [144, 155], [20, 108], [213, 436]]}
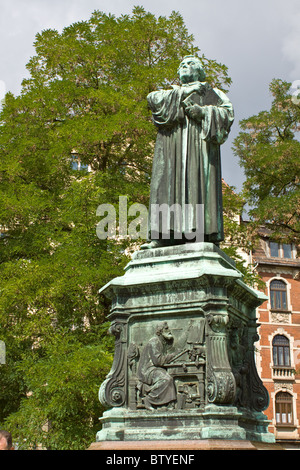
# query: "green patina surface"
{"points": [[183, 316]]}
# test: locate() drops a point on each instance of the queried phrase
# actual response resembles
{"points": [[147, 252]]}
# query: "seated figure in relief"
{"points": [[156, 385]]}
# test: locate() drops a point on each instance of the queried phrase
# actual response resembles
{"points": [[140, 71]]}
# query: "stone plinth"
{"points": [[185, 325], [196, 445]]}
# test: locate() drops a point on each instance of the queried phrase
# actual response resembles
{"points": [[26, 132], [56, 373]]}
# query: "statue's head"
{"points": [[191, 70], [163, 330]]}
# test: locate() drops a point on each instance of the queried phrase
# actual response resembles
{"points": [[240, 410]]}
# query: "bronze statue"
{"points": [[193, 120]]}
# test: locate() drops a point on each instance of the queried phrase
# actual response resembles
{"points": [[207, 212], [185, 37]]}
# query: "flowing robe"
{"points": [[186, 165], [156, 383]]}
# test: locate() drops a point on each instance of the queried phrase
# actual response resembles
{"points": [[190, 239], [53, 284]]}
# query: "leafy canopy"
{"points": [[268, 148]]}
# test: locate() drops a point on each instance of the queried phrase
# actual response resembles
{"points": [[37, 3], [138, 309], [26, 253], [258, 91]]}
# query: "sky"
{"points": [[257, 40]]}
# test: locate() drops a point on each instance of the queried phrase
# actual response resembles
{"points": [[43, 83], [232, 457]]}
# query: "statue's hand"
{"points": [[199, 87], [196, 87], [195, 112]]}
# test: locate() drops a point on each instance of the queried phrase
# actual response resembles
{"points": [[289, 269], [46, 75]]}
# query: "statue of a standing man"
{"points": [[193, 120]]}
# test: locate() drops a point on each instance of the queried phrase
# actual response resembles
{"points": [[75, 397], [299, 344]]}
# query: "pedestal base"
{"points": [[196, 445], [207, 444], [214, 422], [183, 370]]}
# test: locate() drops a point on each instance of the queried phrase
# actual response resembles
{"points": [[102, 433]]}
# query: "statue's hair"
{"points": [[160, 327], [200, 69]]}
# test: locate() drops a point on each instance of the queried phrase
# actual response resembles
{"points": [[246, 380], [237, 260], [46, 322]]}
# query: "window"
{"points": [[76, 163], [287, 250], [281, 250], [284, 408], [281, 351], [84, 166], [274, 249], [278, 295]]}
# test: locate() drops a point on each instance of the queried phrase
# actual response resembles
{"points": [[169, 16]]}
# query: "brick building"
{"points": [[278, 349]]}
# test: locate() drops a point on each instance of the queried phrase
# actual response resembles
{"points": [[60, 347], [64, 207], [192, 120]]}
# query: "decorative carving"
{"points": [[188, 394], [240, 367], [217, 322], [278, 317], [116, 330], [250, 391], [112, 391], [220, 386], [212, 386], [296, 275], [220, 380], [156, 386], [133, 355], [259, 396], [283, 386], [160, 378]]}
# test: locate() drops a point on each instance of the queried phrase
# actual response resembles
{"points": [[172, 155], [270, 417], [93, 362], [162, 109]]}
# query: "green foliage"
{"points": [[240, 237], [85, 99], [62, 387], [268, 149]]}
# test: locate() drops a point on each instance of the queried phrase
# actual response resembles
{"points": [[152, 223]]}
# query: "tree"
{"points": [[240, 237], [61, 410], [85, 99], [268, 149]]}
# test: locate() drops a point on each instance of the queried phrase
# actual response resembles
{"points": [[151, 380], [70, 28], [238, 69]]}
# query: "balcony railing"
{"points": [[284, 373]]}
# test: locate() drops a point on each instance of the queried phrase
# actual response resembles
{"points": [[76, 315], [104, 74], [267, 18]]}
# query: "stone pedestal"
{"points": [[185, 325], [184, 446]]}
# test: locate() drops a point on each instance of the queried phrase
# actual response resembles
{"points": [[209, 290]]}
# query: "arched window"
{"points": [[284, 408], [281, 351], [278, 294]]}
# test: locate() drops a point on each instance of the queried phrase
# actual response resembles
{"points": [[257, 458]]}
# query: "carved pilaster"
{"points": [[259, 396], [113, 390], [220, 380]]}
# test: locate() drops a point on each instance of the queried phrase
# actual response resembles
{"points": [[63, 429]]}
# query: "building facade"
{"points": [[278, 349]]}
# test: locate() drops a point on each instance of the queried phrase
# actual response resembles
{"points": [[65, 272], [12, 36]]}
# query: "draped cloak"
{"points": [[155, 381], [186, 165]]}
